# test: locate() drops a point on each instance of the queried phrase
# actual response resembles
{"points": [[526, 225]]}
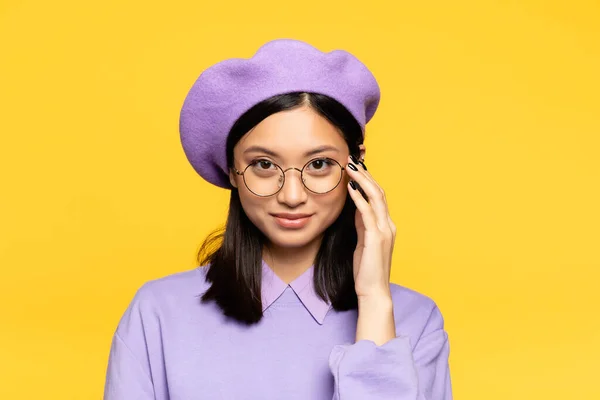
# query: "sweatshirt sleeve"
{"points": [[394, 370], [128, 375]]}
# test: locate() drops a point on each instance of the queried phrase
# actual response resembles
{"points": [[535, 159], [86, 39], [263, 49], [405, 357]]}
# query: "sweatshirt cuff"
{"points": [[363, 370]]}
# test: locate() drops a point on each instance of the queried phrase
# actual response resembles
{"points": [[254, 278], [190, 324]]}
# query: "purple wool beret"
{"points": [[224, 91]]}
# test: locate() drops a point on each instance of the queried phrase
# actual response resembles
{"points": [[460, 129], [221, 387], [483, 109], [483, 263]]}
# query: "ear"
{"points": [[232, 176], [363, 150]]}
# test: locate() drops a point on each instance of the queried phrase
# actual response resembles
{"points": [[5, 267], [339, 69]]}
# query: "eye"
{"points": [[320, 164], [317, 164], [262, 164]]}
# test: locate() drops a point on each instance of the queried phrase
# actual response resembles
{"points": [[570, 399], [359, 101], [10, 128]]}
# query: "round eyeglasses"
{"points": [[265, 178]]}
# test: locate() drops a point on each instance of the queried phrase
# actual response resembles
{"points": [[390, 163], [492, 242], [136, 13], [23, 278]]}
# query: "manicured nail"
{"points": [[363, 165], [352, 167], [354, 159], [352, 185]]}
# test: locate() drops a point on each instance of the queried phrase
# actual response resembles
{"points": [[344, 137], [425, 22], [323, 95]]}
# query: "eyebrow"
{"points": [[320, 149]]}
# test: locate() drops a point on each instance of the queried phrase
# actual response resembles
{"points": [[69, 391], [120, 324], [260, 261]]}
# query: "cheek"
{"points": [[254, 207], [331, 205]]}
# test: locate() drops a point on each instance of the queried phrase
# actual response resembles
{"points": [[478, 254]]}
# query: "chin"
{"points": [[290, 239]]}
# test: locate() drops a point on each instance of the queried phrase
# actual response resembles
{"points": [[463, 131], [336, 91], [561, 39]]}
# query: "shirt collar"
{"points": [[272, 287]]}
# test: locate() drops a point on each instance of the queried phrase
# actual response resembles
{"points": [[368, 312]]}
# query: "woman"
{"points": [[293, 299]]}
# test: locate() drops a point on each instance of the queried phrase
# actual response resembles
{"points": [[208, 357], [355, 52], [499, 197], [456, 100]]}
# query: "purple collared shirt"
{"points": [[168, 345]]}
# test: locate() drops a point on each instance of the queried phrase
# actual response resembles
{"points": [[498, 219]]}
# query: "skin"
{"points": [[290, 134]]}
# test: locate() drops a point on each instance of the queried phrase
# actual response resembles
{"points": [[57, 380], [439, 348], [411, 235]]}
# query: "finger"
{"points": [[373, 191], [362, 167], [360, 228], [366, 211], [392, 226]]}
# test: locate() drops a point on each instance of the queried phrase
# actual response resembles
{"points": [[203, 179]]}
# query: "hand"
{"points": [[376, 235]]}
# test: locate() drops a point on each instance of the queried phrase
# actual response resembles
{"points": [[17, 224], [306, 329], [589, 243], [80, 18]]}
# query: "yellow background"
{"points": [[486, 141]]}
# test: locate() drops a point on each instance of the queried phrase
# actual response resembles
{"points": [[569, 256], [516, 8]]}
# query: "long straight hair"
{"points": [[233, 254]]}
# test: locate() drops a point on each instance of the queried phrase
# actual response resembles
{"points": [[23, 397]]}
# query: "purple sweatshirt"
{"points": [[168, 345]]}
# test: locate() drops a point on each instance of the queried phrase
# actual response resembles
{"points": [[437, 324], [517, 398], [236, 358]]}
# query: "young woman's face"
{"points": [[290, 139]]}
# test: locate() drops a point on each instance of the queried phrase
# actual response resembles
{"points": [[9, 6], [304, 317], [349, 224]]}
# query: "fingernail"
{"points": [[352, 185], [354, 159], [363, 165], [352, 167]]}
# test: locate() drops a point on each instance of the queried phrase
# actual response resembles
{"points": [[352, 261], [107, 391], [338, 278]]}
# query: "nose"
{"points": [[293, 192]]}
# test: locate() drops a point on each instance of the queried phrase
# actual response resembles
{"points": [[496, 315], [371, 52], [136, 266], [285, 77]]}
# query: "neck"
{"points": [[288, 263]]}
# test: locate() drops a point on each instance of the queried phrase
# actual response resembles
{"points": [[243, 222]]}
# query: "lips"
{"points": [[291, 216], [292, 221]]}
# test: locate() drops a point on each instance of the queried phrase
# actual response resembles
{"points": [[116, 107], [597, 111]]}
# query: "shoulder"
{"points": [[415, 312], [157, 304], [171, 287]]}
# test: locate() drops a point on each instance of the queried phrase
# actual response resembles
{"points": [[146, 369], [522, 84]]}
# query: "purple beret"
{"points": [[226, 90]]}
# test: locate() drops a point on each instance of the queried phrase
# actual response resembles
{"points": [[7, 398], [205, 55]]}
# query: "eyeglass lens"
{"points": [[265, 178]]}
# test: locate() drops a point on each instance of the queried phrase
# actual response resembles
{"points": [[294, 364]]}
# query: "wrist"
{"points": [[375, 319], [380, 302]]}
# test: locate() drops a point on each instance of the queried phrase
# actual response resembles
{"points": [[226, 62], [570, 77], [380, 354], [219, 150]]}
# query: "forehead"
{"points": [[292, 132]]}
